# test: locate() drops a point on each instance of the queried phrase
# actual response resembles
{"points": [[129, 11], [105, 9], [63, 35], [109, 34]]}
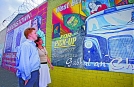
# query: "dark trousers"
{"points": [[32, 82]]}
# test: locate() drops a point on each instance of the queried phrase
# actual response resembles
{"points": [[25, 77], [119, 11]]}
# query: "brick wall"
{"points": [[70, 77]]}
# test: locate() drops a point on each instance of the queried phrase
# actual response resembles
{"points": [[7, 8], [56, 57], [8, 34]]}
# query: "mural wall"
{"points": [[15, 34], [68, 35], [2, 40], [101, 33]]}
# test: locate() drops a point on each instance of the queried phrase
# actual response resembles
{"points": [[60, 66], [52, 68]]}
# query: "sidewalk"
{"points": [[7, 78]]}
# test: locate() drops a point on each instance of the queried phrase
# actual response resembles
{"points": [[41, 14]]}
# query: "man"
{"points": [[96, 6], [28, 61]]}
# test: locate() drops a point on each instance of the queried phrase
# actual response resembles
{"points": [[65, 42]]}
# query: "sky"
{"points": [[8, 7]]}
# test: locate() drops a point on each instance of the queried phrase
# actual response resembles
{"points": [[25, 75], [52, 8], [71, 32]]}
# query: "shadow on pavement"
{"points": [[7, 78]]}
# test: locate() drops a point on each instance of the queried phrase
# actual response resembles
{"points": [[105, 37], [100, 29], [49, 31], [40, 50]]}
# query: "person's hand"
{"points": [[51, 66], [26, 82]]}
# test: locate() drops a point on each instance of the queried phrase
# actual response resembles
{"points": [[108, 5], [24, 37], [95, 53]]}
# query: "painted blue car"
{"points": [[109, 36]]}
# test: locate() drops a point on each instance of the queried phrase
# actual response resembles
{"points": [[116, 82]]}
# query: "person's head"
{"points": [[30, 33], [36, 23], [93, 4], [38, 41]]}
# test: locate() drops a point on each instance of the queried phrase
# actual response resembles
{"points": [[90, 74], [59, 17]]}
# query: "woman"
{"points": [[44, 70]]}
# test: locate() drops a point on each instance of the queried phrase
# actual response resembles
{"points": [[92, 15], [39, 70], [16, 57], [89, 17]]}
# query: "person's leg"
{"points": [[34, 80], [21, 82], [36, 84]]}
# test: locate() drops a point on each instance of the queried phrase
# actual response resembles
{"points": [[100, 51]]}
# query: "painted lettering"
{"points": [[74, 2], [62, 7], [117, 65]]}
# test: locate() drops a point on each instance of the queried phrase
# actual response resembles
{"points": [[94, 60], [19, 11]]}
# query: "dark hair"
{"points": [[28, 31], [38, 38]]}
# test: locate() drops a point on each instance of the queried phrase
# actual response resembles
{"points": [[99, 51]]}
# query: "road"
{"points": [[7, 78]]}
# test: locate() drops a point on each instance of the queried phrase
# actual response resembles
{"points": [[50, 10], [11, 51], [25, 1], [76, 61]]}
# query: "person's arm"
{"points": [[25, 63], [48, 60]]}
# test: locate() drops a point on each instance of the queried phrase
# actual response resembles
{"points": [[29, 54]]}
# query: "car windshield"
{"points": [[110, 21]]}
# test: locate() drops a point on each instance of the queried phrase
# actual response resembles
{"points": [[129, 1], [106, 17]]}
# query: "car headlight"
{"points": [[88, 44]]}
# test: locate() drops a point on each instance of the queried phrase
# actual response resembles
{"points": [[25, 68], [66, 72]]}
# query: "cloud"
{"points": [[8, 7]]}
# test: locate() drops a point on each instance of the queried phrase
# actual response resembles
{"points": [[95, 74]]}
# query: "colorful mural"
{"points": [[109, 40], [105, 29], [108, 43], [68, 34], [15, 34]]}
